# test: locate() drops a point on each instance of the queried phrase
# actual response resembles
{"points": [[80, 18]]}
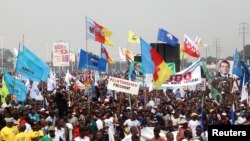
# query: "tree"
{"points": [[8, 59]]}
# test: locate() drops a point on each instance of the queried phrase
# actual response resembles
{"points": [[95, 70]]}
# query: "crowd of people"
{"points": [[73, 114]]}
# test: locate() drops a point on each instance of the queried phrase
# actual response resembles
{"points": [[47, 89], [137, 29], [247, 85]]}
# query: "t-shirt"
{"points": [[99, 124], [36, 134], [8, 134], [109, 123], [82, 139], [22, 137], [193, 124], [131, 123]]}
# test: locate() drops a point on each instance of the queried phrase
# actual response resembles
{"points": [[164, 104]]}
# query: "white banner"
{"points": [[189, 76], [122, 85], [201, 86], [61, 54]]}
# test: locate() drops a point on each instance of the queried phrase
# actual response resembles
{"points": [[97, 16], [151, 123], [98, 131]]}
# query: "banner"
{"points": [[61, 53], [122, 85], [189, 76], [91, 62]]}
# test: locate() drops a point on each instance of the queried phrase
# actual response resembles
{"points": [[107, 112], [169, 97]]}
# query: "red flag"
{"points": [[162, 72], [190, 47]]}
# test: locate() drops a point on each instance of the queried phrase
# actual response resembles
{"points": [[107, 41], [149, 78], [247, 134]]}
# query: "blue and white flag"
{"points": [[167, 37], [91, 61]]}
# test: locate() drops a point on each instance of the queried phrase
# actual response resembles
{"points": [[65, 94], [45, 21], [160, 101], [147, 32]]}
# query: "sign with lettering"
{"points": [[189, 76], [122, 85], [61, 54]]}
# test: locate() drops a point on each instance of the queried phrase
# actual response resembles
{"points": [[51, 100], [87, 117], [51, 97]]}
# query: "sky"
{"points": [[43, 22]]}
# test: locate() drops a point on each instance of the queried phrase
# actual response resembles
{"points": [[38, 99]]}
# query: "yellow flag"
{"points": [[182, 54], [133, 38], [4, 91], [107, 34], [162, 71]]}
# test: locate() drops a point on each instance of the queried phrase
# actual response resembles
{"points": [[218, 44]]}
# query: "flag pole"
{"points": [[13, 90], [86, 44]]}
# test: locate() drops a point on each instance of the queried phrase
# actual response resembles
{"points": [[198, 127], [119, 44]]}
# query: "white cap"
{"points": [[128, 108], [224, 114]]}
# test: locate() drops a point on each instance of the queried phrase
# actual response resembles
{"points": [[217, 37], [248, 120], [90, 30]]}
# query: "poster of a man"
{"points": [[135, 71], [224, 69]]}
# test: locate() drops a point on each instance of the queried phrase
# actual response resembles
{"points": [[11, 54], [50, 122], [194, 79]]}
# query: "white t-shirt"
{"points": [[131, 123], [193, 124], [84, 139], [60, 133], [110, 123], [99, 124]]}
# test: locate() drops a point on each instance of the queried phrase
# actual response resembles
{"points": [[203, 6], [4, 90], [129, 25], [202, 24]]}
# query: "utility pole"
{"points": [[218, 48], [206, 49], [244, 30], [1, 40]]}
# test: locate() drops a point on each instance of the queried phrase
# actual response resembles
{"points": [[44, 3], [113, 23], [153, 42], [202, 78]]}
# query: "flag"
{"points": [[4, 91], [243, 73], [105, 55], [17, 85], [215, 93], [31, 66], [34, 92], [244, 91], [233, 114], [147, 62], [51, 81], [126, 54], [235, 86], [68, 78], [161, 71], [98, 33], [183, 55], [86, 79], [236, 71], [208, 74], [91, 61], [190, 47], [198, 41], [133, 38], [167, 37], [202, 110], [171, 65]]}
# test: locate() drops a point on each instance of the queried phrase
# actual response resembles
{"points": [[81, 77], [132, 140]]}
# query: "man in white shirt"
{"points": [[99, 122], [60, 131], [132, 121], [193, 123]]}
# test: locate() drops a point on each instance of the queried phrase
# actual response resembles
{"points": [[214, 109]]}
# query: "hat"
{"points": [[224, 114], [211, 110], [51, 128], [182, 121], [9, 119], [128, 108], [194, 114], [242, 105], [43, 109]]}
